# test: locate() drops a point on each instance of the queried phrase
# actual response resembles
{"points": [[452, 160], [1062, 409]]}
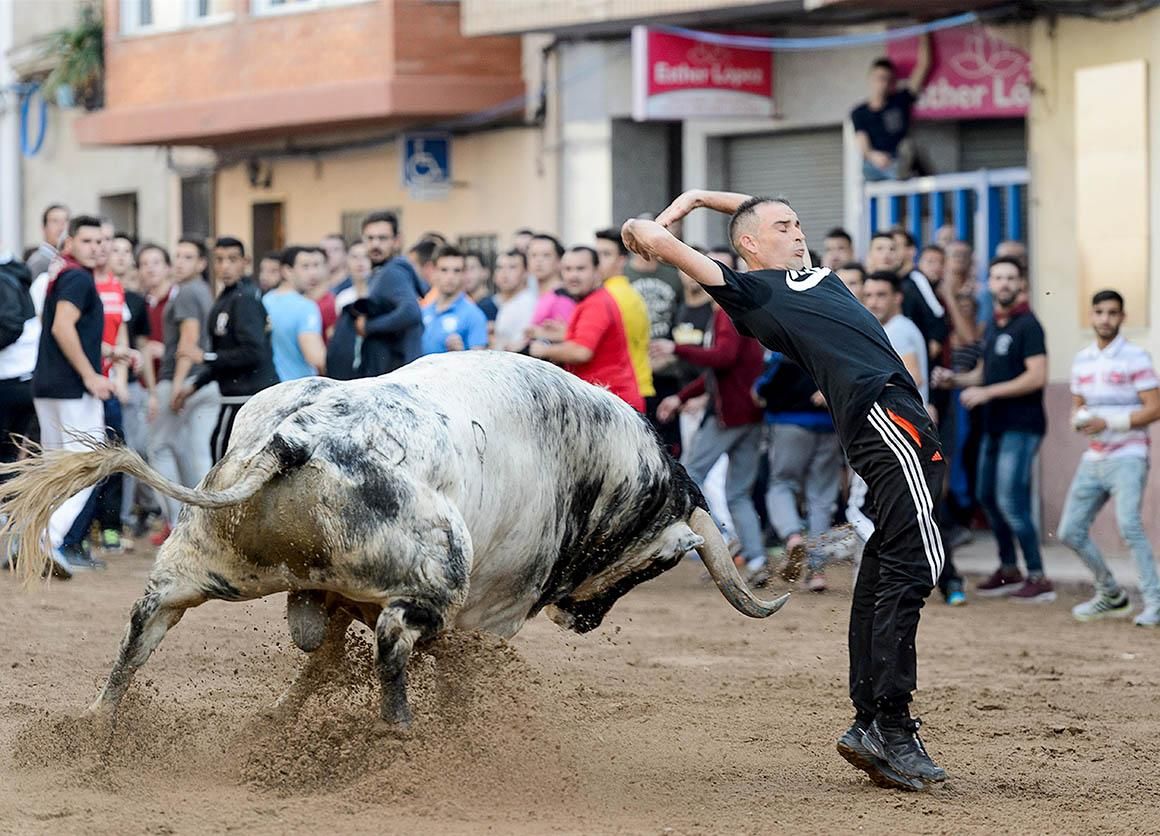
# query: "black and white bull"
{"points": [[466, 490]]}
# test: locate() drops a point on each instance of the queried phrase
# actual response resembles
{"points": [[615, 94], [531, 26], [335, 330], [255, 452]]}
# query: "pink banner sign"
{"points": [[675, 77], [974, 75]]}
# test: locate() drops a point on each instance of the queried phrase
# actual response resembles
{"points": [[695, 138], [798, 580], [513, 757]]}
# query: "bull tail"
{"points": [[39, 484]]}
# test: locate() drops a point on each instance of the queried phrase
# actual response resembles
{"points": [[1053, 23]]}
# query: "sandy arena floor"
{"points": [[677, 716]]}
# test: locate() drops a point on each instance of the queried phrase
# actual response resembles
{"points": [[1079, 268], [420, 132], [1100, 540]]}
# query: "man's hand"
{"points": [[121, 390], [975, 396], [668, 409], [180, 396], [454, 342], [942, 378], [756, 398], [1094, 426], [153, 408], [99, 386], [155, 350], [360, 326], [660, 349], [818, 399], [880, 159], [537, 349], [194, 354], [630, 234], [680, 207], [552, 330]]}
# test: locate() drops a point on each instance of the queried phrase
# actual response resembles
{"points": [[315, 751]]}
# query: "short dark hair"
{"points": [[838, 232], [228, 242], [555, 242], [149, 245], [83, 220], [584, 248], [933, 248], [290, 255], [1006, 259], [337, 236], [1108, 296], [612, 235], [884, 63], [194, 242], [906, 236], [748, 208], [514, 253], [477, 255], [448, 251], [433, 235], [523, 230], [725, 250], [52, 207], [885, 276], [883, 233], [855, 265], [425, 251], [379, 218], [127, 237], [273, 255]]}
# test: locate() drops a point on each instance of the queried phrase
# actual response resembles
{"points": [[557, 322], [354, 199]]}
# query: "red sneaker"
{"points": [[1002, 582], [1035, 590], [159, 537]]}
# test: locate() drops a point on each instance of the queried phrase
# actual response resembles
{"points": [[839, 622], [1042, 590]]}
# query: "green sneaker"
{"points": [[111, 541]]}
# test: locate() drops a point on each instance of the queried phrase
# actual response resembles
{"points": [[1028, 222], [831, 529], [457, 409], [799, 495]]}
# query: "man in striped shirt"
{"points": [[1115, 396]]}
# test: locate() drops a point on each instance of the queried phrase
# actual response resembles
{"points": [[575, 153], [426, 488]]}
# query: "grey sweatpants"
{"points": [[743, 447], [179, 442], [803, 464]]}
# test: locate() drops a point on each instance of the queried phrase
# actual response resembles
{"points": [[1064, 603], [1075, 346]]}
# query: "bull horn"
{"points": [[715, 555]]}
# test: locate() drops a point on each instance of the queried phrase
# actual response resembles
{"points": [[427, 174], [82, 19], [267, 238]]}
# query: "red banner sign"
{"points": [[675, 77], [973, 75]]}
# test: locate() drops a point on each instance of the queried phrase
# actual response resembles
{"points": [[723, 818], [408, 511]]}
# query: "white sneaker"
{"points": [[1103, 606], [1150, 617]]}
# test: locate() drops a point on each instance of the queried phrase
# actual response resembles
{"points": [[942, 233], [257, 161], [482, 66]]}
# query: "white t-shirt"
{"points": [[907, 339], [514, 317], [1110, 382]]}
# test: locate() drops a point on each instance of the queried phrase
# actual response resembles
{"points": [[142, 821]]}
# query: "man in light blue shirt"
{"points": [[295, 319], [452, 322]]}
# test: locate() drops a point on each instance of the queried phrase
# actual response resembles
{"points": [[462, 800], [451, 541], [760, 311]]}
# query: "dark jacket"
{"points": [[394, 326], [16, 306], [733, 362], [344, 348], [788, 391], [239, 336]]}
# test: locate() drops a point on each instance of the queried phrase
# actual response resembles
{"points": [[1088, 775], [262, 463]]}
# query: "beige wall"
{"points": [[480, 17], [65, 172], [502, 182], [1057, 51]]}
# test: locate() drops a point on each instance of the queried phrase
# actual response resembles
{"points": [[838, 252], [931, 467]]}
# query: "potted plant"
{"points": [[80, 60]]}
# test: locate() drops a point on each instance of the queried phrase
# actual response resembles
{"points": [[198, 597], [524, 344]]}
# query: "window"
{"points": [[197, 206], [121, 209], [259, 8], [149, 16]]}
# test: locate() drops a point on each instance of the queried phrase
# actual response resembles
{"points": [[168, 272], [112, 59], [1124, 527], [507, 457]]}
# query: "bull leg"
{"points": [[321, 632], [401, 624], [151, 618]]}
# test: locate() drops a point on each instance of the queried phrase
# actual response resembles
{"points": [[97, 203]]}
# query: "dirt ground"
{"points": [[677, 716]]}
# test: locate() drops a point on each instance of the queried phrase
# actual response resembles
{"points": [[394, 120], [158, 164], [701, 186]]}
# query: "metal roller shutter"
{"points": [[992, 143], [804, 167]]}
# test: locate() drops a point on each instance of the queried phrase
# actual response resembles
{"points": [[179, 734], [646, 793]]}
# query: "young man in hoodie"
{"points": [[19, 336], [239, 358]]}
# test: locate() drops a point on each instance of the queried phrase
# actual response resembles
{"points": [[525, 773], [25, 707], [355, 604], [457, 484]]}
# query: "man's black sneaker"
{"points": [[79, 557], [898, 745], [851, 748]]}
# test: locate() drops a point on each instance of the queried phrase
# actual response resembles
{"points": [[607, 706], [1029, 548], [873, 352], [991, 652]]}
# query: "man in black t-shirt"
{"points": [[67, 386], [809, 316], [882, 122], [1007, 387]]}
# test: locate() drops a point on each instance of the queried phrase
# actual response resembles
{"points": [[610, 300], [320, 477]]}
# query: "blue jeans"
{"points": [[873, 174], [1122, 479], [1004, 490]]}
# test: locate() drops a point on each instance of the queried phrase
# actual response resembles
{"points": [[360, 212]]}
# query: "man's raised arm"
{"points": [[651, 240], [726, 202]]}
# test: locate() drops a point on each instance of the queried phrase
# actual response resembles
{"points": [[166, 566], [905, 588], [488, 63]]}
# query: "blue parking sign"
{"points": [[427, 164]]}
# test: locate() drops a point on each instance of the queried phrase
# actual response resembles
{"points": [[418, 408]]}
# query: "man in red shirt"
{"points": [[595, 347], [732, 424]]}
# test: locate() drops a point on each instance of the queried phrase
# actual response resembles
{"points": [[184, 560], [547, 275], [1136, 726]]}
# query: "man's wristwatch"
{"points": [[208, 356]]}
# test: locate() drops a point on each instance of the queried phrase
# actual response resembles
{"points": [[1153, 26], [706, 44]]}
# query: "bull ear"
{"points": [[715, 555]]}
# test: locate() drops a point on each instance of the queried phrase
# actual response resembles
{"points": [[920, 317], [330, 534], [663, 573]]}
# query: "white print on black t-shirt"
{"points": [[809, 278], [223, 321], [1003, 344]]}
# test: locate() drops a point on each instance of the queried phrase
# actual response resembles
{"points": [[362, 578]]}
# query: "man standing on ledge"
{"points": [[809, 316]]}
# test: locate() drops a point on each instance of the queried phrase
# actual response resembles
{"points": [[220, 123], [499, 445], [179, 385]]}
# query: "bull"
{"points": [[468, 490]]}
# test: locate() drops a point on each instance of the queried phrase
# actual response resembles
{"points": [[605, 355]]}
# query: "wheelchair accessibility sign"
{"points": [[427, 165]]}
